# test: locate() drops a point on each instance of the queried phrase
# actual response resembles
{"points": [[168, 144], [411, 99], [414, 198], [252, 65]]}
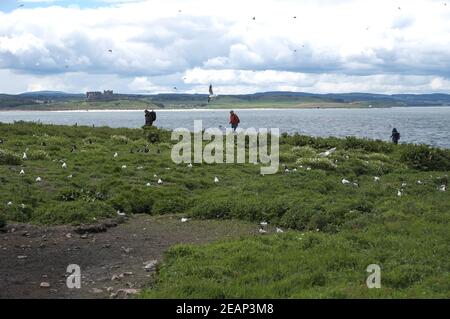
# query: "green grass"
{"points": [[219, 103], [333, 231]]}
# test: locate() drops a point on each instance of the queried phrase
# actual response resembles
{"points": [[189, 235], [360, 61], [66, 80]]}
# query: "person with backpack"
{"points": [[395, 137], [234, 120], [150, 117]]}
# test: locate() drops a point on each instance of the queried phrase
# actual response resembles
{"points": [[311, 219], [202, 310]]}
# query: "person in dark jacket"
{"points": [[234, 120], [395, 137], [150, 117]]}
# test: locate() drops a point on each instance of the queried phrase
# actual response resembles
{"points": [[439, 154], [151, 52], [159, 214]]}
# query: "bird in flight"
{"points": [[211, 94], [110, 51], [254, 18], [21, 5]]}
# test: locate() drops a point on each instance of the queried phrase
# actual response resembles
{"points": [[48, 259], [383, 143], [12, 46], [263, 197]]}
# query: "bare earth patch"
{"points": [[110, 261]]}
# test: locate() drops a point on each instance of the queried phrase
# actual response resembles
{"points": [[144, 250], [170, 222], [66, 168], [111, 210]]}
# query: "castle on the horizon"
{"points": [[97, 95]]}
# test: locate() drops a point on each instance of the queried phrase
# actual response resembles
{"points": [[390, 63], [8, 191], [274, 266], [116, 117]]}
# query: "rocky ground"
{"points": [[112, 256]]}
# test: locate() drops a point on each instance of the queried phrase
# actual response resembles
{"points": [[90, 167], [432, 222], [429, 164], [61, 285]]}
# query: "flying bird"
{"points": [[211, 93], [110, 51], [254, 18]]}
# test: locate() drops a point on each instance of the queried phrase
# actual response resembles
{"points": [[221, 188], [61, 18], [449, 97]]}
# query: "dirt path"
{"points": [[110, 261]]}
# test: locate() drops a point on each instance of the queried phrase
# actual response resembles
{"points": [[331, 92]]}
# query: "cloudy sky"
{"points": [[240, 46]]}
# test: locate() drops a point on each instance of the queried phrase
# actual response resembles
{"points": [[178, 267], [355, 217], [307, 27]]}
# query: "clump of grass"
{"points": [[304, 151], [120, 139], [426, 158], [38, 155], [77, 212], [8, 157], [318, 163]]}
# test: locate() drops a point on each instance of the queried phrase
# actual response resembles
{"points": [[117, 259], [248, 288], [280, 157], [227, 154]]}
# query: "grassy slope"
{"points": [[220, 103], [336, 230]]}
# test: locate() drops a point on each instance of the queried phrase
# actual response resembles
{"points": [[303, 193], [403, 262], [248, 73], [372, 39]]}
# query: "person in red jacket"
{"points": [[234, 120]]}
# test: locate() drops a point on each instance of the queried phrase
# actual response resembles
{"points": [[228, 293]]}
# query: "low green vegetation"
{"points": [[394, 211]]}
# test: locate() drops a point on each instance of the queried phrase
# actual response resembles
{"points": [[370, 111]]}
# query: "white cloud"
{"points": [[336, 46]]}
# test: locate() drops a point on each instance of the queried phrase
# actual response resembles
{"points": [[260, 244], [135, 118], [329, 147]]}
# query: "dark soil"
{"points": [[31, 255]]}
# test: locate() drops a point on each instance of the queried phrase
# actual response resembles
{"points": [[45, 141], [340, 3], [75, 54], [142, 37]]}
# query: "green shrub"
{"points": [[152, 134], [375, 146], [318, 163], [135, 201], [72, 212], [38, 155], [170, 205], [425, 158], [304, 151], [120, 139], [18, 213], [9, 158]]}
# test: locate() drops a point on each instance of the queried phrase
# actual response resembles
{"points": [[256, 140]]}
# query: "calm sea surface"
{"points": [[429, 125]]}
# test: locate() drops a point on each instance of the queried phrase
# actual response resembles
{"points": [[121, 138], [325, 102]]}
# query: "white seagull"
{"points": [[443, 188], [344, 181], [120, 213], [24, 157], [124, 166], [38, 179], [190, 165], [399, 193], [22, 172], [183, 220], [64, 165], [148, 184], [216, 180], [160, 181], [376, 179], [116, 154], [329, 152], [211, 94], [279, 230], [262, 231], [9, 203]]}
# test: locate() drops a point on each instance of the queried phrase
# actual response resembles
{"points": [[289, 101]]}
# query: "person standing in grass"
{"points": [[150, 117], [234, 120], [395, 136]]}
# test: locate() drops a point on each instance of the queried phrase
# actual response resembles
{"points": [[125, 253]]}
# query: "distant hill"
{"points": [[50, 94], [61, 100]]}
